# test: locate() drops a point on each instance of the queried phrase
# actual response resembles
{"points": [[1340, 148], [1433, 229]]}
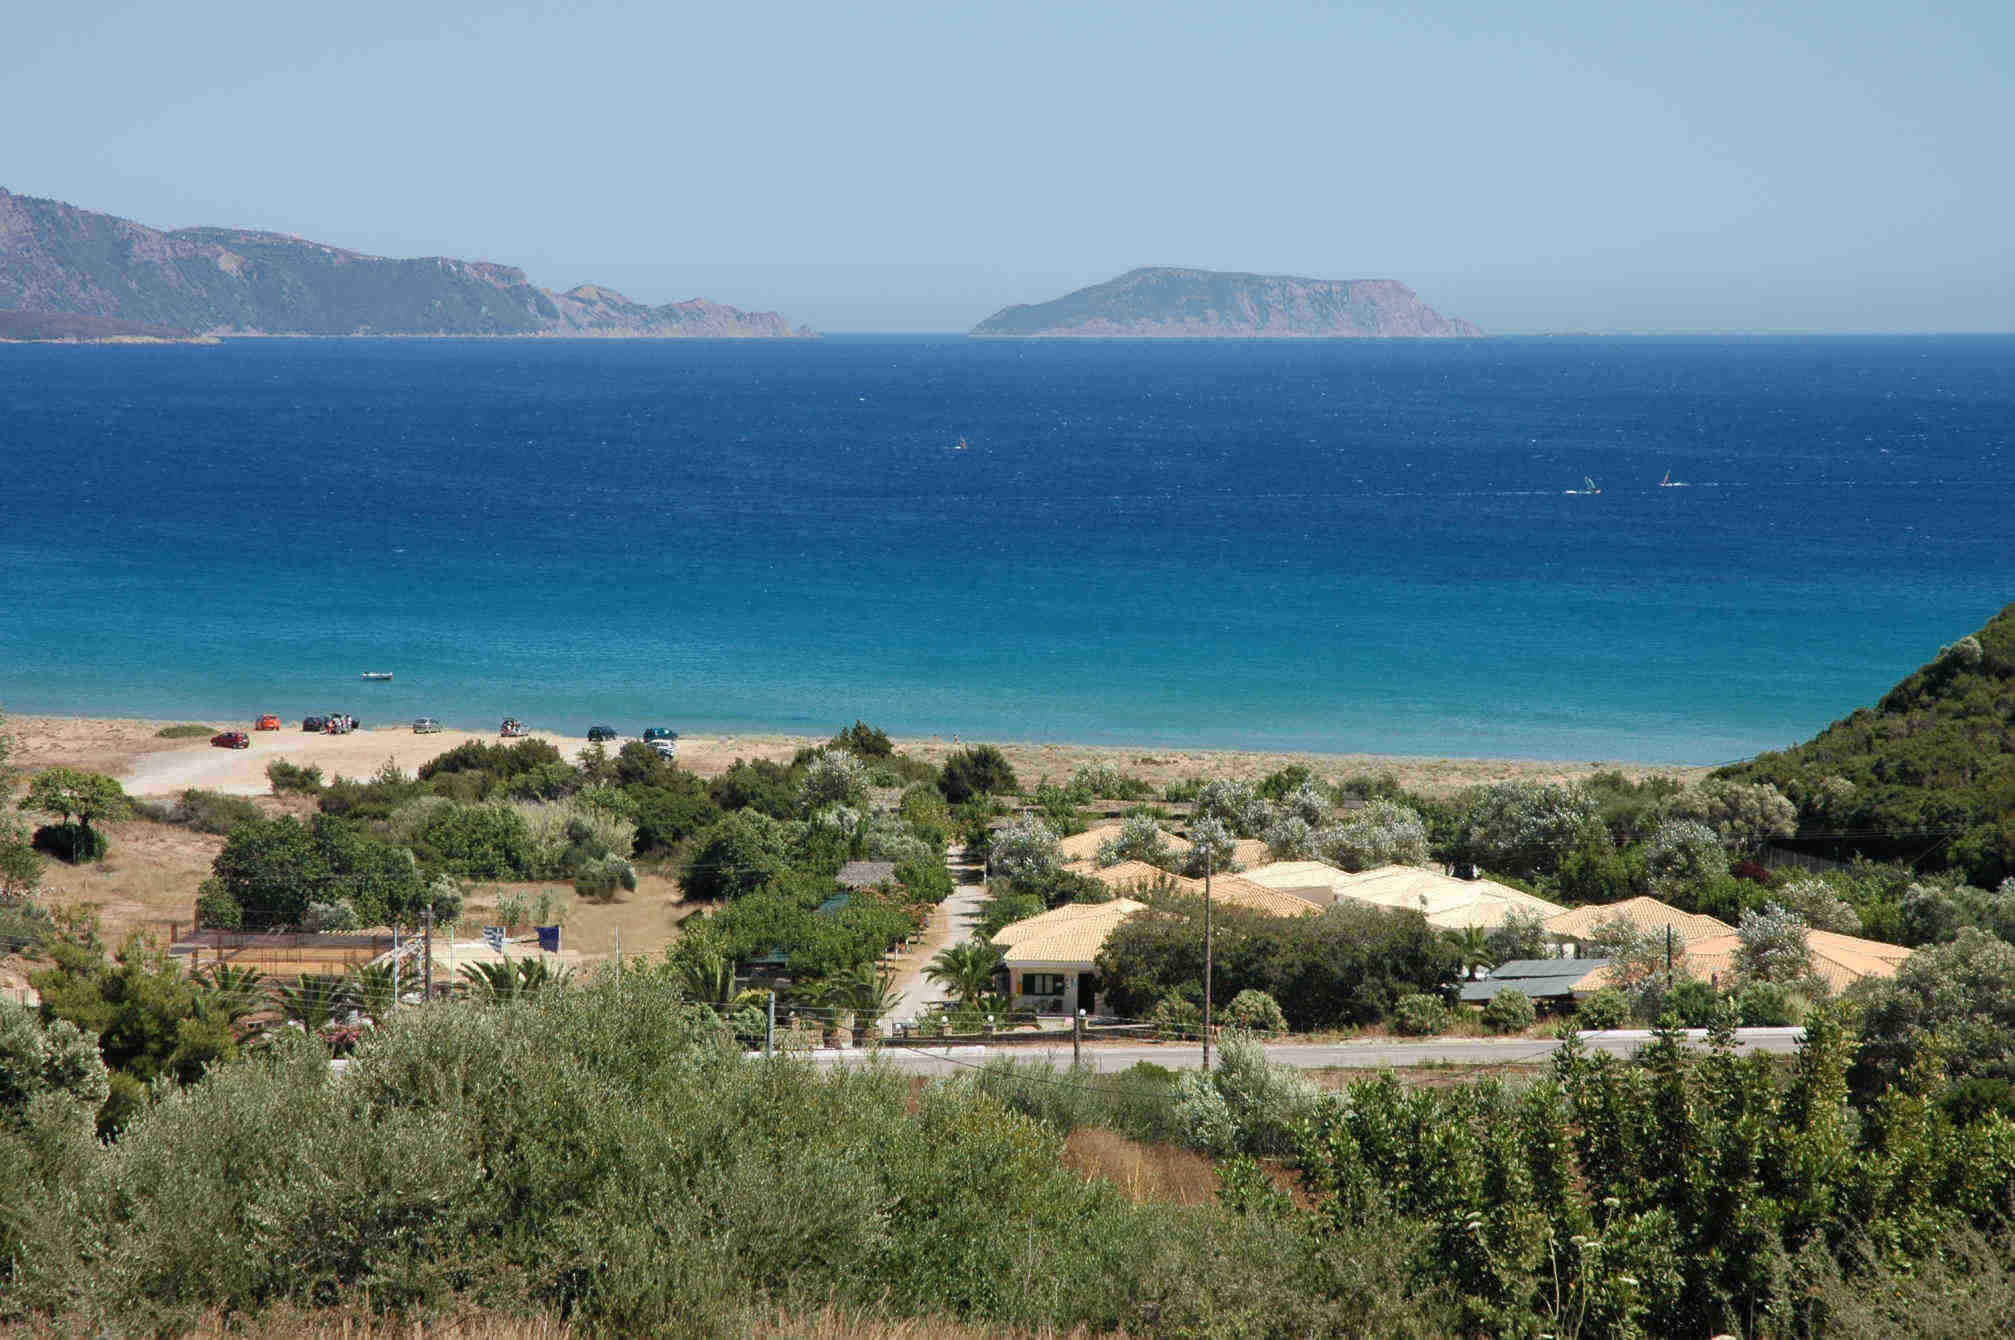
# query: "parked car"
{"points": [[231, 739], [666, 748], [314, 725], [653, 734], [426, 726], [512, 728], [267, 722], [596, 734]]}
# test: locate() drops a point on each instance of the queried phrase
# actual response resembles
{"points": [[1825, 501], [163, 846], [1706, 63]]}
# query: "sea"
{"points": [[1461, 548]]}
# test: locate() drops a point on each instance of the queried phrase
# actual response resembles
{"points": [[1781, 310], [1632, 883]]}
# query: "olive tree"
{"points": [[1384, 832], [1773, 946], [1815, 902], [1236, 805], [1212, 848], [1523, 828], [1025, 851], [1139, 839], [1683, 854], [43, 1066], [1743, 815], [833, 777]]}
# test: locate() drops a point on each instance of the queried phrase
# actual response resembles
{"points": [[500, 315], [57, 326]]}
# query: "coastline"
{"points": [[129, 748]]}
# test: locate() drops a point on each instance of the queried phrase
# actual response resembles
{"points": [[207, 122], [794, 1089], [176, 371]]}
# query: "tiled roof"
{"points": [[1644, 913], [1540, 978], [1084, 846], [1248, 852], [1139, 875], [1238, 891], [1073, 933], [1445, 901], [1839, 960]]}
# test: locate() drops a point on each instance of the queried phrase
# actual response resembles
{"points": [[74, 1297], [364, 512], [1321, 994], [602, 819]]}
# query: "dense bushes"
{"points": [[981, 770], [1346, 966], [273, 868]]}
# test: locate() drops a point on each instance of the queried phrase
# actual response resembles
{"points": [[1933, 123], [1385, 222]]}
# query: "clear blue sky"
{"points": [[1824, 165]]}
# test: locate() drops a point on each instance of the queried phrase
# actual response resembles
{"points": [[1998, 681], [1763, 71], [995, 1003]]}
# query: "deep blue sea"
{"points": [[1347, 546]]}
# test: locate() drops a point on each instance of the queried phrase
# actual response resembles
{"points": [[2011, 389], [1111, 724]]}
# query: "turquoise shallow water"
{"points": [[1335, 546]]}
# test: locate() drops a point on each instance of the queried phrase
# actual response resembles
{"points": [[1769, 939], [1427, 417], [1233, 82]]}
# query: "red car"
{"points": [[231, 739], [267, 722]]}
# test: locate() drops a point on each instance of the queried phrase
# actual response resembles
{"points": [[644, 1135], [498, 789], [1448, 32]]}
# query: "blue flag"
{"points": [[549, 938], [493, 936]]}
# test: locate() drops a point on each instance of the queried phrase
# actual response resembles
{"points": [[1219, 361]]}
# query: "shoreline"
{"points": [[129, 748]]}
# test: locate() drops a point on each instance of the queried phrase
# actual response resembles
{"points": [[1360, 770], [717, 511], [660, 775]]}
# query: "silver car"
{"points": [[426, 726]]}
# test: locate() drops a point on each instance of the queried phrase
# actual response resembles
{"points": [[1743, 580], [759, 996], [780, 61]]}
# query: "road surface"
{"points": [[962, 913], [1107, 1057]]}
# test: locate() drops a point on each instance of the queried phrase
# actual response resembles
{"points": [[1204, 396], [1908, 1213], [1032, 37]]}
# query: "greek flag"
{"points": [[549, 938], [493, 936]]}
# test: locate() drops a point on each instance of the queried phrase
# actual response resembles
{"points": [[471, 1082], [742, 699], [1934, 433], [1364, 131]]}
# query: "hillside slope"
{"points": [[1927, 774], [57, 258], [1158, 302]]}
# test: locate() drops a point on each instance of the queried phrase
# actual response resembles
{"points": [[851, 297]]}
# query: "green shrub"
{"points": [[981, 770], [1245, 1104], [285, 777], [184, 732], [1509, 1011], [1606, 1009], [1768, 1005], [210, 812], [1255, 1012], [1178, 1019], [599, 880], [1694, 1001], [1420, 1015], [216, 909], [73, 843]]}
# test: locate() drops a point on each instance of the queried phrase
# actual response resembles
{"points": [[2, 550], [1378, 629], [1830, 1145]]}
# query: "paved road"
{"points": [[962, 908], [1306, 1056]]}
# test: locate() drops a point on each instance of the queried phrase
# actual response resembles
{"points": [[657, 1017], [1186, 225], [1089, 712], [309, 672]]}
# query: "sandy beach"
{"points": [[131, 750]]}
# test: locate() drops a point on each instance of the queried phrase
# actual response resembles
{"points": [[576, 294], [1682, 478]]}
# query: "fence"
{"points": [[280, 954]]}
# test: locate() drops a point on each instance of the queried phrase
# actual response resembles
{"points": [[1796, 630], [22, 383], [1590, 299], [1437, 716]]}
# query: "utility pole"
{"points": [[1207, 947], [427, 957], [770, 1033], [1668, 952], [1077, 1040], [395, 966]]}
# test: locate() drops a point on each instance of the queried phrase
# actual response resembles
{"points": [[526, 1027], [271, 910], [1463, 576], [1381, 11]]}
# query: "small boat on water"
{"points": [[377, 674], [1587, 486], [1669, 482], [961, 445]]}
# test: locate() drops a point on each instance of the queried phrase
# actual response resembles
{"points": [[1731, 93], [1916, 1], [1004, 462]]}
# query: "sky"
{"points": [[1547, 166]]}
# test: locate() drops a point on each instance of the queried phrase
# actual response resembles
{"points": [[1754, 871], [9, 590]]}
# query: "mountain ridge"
{"points": [[1176, 302], [59, 258]]}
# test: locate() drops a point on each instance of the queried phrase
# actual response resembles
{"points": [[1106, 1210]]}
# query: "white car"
{"points": [[426, 726], [666, 748]]}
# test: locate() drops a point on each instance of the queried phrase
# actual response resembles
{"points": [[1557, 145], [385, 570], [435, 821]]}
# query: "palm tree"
{"points": [[312, 1001], [966, 970], [238, 991], [512, 978], [1471, 943], [371, 984], [869, 992]]}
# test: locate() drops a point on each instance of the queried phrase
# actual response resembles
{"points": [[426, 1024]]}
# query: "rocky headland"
{"points": [[1165, 303], [58, 259]]}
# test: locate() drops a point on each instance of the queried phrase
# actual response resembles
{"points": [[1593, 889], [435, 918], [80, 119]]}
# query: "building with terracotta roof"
{"points": [[1578, 925], [1446, 902], [1238, 891], [1083, 847], [1136, 877], [1051, 957], [1838, 960], [1313, 881]]}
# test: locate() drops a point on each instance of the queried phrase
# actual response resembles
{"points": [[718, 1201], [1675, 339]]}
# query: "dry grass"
{"points": [[643, 922], [147, 880], [1142, 1172]]}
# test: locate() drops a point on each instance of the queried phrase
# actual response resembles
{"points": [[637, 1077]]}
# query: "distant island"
{"points": [[1163, 303], [59, 260], [71, 328]]}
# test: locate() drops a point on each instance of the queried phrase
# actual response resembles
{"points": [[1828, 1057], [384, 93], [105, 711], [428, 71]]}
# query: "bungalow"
{"points": [[1557, 981], [1447, 902], [1575, 928], [1051, 958], [1138, 879], [1838, 960], [866, 874]]}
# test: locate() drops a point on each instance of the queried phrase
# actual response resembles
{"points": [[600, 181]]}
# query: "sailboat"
{"points": [[1587, 486], [961, 445], [1669, 483]]}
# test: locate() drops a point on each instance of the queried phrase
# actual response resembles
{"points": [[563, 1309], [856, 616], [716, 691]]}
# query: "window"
{"points": [[1042, 984]]}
